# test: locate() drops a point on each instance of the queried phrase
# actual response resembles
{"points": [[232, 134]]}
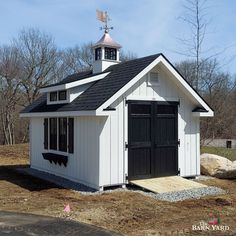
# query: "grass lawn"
{"points": [[224, 152]]}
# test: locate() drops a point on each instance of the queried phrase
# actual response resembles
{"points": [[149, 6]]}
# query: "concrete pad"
{"points": [[167, 184]]}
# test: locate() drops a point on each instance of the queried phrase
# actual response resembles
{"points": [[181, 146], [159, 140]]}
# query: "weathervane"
{"points": [[103, 17]]}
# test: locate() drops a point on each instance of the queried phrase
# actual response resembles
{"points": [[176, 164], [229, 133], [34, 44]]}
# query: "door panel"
{"points": [[165, 132], [141, 129], [141, 162], [166, 140], [140, 148], [165, 161]]}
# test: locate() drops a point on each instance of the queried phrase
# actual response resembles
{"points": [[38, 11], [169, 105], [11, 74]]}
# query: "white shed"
{"points": [[118, 122]]}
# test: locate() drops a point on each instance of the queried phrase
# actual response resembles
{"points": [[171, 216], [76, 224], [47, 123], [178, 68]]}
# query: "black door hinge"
{"points": [[178, 142], [126, 145]]}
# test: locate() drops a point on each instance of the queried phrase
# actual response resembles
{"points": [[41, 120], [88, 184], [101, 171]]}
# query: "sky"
{"points": [[143, 27]]}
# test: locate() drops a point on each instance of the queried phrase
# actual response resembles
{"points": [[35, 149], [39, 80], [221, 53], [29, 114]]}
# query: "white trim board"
{"points": [[159, 59], [148, 98], [65, 114], [92, 78]]}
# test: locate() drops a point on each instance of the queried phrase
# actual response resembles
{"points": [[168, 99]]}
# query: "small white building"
{"points": [[223, 143], [118, 122]]}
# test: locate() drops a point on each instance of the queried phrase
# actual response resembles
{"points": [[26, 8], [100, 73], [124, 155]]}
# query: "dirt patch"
{"points": [[222, 202], [14, 154], [125, 212]]}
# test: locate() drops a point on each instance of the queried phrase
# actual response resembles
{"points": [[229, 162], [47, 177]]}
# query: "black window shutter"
{"points": [[53, 133], [45, 133], [71, 135]]}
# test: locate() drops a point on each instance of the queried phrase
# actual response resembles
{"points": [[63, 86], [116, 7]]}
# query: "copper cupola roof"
{"points": [[106, 40]]}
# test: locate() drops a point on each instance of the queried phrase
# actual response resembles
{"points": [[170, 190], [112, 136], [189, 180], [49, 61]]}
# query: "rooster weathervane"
{"points": [[104, 17]]}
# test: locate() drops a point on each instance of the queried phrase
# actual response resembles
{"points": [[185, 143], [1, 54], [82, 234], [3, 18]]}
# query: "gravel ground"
{"points": [[171, 196], [188, 194]]}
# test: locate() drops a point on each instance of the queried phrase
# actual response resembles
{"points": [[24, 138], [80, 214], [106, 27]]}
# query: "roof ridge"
{"points": [[133, 60]]}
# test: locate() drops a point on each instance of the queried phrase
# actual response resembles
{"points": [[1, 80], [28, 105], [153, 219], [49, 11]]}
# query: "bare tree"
{"points": [[187, 69], [127, 56], [73, 60], [38, 55], [195, 18], [87, 54], [207, 73], [9, 88], [217, 88]]}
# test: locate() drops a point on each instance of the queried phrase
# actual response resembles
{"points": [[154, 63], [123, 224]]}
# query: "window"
{"points": [[58, 96], [110, 53], [229, 144], [153, 79], [53, 133], [53, 96], [141, 109], [62, 95], [59, 134], [98, 54], [62, 134]]}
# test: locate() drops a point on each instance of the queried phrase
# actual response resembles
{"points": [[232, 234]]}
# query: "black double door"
{"points": [[152, 139]]}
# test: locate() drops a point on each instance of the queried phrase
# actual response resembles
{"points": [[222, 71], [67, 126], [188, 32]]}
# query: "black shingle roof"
{"points": [[100, 91], [75, 77]]}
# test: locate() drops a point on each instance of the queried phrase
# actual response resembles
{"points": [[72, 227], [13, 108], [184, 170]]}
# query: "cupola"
{"points": [[106, 50]]}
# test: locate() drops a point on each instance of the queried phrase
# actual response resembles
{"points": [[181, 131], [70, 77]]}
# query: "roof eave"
{"points": [[203, 114], [64, 113], [118, 46]]}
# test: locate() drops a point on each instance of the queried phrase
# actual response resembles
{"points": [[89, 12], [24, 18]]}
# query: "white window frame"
{"points": [[58, 101]]}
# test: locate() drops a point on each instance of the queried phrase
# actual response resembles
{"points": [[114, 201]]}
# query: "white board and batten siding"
{"points": [[112, 148], [83, 164], [114, 156]]}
